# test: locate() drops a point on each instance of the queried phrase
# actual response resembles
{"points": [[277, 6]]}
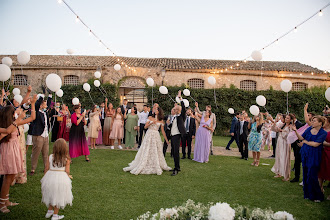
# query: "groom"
{"points": [[177, 131]]}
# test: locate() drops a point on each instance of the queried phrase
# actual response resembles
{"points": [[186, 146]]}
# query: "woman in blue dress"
{"points": [[311, 153], [255, 139]]}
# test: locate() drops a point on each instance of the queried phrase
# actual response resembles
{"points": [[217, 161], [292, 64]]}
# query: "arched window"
{"points": [[71, 80], [299, 86], [248, 85], [196, 83], [20, 80]]}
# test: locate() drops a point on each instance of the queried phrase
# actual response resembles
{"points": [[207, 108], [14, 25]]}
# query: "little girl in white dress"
{"points": [[56, 185]]}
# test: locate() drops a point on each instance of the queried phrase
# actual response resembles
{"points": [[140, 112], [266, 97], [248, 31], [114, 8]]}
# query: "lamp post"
{"points": [[163, 75]]}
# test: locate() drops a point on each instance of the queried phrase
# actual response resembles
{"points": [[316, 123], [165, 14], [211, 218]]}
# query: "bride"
{"points": [[150, 158]]}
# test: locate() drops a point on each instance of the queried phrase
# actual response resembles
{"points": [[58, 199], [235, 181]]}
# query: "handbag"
{"points": [[68, 123]]}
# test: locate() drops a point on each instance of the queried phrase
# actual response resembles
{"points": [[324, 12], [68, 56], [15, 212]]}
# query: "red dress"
{"points": [[64, 130], [325, 162]]}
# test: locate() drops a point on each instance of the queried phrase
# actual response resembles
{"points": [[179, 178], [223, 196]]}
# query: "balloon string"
{"points": [[193, 99], [62, 100], [152, 96], [265, 108], [215, 98], [102, 92], [287, 103], [170, 97], [91, 98]]}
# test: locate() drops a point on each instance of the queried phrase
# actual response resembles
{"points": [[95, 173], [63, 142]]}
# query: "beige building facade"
{"points": [[250, 75]]}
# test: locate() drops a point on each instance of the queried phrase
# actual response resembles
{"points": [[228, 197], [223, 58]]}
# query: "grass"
{"points": [[102, 190]]}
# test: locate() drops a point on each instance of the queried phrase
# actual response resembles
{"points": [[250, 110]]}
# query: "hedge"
{"points": [[242, 100]]}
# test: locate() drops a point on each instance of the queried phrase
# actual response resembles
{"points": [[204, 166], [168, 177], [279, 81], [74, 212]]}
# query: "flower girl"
{"points": [[56, 184]]}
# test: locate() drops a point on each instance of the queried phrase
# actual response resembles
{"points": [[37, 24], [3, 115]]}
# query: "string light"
{"points": [[320, 13], [90, 32], [77, 19], [295, 29]]}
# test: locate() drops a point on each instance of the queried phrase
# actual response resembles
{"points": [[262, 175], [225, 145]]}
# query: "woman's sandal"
{"points": [[12, 203], [257, 163], [4, 208], [254, 163]]}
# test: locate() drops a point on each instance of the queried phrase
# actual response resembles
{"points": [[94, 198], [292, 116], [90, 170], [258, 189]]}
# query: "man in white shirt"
{"points": [[143, 116]]}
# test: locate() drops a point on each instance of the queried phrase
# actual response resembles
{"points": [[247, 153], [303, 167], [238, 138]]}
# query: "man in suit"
{"points": [[39, 133], [233, 131], [242, 132], [102, 117], [187, 138], [177, 130], [124, 109], [167, 129], [296, 150]]}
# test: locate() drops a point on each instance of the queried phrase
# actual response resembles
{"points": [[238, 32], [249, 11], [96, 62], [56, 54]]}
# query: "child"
{"points": [[56, 184]]}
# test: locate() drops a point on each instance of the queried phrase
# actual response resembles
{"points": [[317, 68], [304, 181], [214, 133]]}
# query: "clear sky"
{"points": [[210, 29]]}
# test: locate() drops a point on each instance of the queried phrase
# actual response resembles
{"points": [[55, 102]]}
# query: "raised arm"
{"points": [[33, 112], [306, 115], [197, 109], [26, 97]]}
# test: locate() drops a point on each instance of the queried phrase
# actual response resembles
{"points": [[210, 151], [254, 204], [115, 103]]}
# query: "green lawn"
{"points": [[103, 191]]}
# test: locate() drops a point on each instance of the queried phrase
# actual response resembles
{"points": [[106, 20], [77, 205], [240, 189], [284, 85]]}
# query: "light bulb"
{"points": [[300, 74], [100, 42], [312, 73], [245, 61], [90, 32], [277, 41], [226, 69], [77, 19], [295, 30], [320, 13], [237, 64]]}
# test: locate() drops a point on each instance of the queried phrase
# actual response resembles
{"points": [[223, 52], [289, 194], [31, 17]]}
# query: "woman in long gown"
{"points": [[150, 158], [77, 140], [282, 166], [255, 138], [94, 126], [203, 138], [117, 128], [131, 127], [109, 112], [65, 124]]}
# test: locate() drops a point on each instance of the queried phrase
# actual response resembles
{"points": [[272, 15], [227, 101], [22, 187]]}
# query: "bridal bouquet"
{"points": [[219, 211]]}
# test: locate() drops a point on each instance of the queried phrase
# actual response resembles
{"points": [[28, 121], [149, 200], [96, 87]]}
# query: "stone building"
{"points": [[250, 75]]}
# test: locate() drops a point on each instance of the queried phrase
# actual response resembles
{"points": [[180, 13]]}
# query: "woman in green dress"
{"points": [[131, 127]]}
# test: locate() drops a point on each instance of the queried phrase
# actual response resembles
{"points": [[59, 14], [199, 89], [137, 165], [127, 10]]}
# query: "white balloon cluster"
{"points": [[163, 90], [231, 111], [75, 101], [70, 51], [261, 100], [327, 94], [150, 82], [54, 82], [7, 60], [254, 110], [117, 67]]}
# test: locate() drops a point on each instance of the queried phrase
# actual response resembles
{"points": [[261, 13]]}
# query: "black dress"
{"points": [[55, 124]]}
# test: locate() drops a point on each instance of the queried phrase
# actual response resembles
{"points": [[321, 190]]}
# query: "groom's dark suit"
{"points": [[242, 135], [177, 130]]}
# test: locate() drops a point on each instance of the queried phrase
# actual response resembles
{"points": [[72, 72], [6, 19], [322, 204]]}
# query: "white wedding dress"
{"points": [[150, 158]]}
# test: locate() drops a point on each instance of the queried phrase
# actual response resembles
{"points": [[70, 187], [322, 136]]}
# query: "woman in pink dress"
{"points": [[11, 162], [77, 139], [117, 127]]}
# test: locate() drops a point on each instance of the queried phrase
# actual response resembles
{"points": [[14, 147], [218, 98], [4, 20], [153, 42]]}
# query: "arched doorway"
{"points": [[132, 89]]}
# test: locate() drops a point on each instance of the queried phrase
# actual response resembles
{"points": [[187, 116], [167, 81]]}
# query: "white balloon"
{"points": [[177, 99], [59, 93], [286, 85], [26, 128], [16, 91], [186, 92], [87, 87], [97, 74], [117, 67], [254, 110], [261, 100], [186, 103], [256, 55], [150, 82], [75, 101], [23, 57], [5, 72], [327, 94], [70, 51], [163, 90], [54, 82], [7, 60], [18, 98], [211, 80], [231, 111], [97, 83]]}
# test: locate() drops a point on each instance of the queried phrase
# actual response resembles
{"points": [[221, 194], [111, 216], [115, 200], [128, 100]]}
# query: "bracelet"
{"points": [[14, 123], [33, 110]]}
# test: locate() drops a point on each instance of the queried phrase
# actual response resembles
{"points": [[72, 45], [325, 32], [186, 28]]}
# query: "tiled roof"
{"points": [[166, 63]]}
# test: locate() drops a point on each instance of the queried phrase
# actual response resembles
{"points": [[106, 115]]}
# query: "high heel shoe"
{"points": [[254, 163], [257, 163]]}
